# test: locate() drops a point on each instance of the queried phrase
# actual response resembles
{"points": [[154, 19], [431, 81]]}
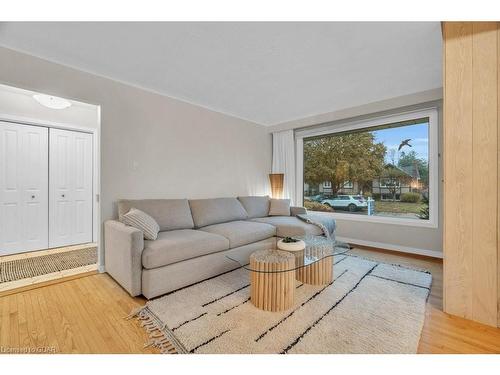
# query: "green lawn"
{"points": [[398, 207]]}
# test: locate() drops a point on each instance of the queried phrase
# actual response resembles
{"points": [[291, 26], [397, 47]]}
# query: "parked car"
{"points": [[349, 202], [359, 198]]}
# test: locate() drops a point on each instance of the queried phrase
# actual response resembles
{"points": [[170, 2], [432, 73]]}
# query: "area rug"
{"points": [[370, 307], [44, 264]]}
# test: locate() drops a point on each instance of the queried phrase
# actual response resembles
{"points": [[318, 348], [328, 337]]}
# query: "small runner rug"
{"points": [[44, 264], [370, 307]]}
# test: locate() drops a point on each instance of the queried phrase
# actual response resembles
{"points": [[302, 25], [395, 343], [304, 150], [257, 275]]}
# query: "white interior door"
{"points": [[23, 188], [70, 187]]}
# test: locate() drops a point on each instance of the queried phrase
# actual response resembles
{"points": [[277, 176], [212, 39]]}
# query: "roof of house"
{"points": [[410, 170]]}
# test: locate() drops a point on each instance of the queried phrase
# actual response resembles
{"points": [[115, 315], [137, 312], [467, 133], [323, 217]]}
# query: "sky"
{"points": [[392, 138]]}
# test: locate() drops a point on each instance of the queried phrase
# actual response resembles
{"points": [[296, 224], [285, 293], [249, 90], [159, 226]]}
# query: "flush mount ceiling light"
{"points": [[52, 102]]}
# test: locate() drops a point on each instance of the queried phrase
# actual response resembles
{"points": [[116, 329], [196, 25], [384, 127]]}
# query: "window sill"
{"points": [[380, 219]]}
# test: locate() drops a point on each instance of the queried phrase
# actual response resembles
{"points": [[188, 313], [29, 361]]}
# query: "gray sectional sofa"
{"points": [[195, 237]]}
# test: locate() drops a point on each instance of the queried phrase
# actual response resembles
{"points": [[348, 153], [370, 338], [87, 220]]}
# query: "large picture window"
{"points": [[382, 170]]}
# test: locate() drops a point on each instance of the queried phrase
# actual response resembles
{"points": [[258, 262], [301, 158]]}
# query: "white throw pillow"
{"points": [[279, 207], [141, 220]]}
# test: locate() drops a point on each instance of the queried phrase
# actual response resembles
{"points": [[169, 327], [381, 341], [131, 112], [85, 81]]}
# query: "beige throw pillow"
{"points": [[279, 207], [141, 220]]}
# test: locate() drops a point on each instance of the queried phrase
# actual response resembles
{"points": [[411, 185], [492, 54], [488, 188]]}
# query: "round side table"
{"points": [[272, 286]]}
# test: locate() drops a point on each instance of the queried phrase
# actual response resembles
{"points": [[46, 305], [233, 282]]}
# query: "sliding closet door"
{"points": [[23, 188], [70, 186]]}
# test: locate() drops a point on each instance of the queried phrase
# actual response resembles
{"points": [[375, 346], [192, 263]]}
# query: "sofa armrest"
{"points": [[294, 211], [123, 246]]}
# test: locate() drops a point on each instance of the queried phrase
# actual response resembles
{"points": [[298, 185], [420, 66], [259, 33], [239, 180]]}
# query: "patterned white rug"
{"points": [[370, 307]]}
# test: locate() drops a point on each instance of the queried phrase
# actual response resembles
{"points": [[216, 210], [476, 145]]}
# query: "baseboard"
{"points": [[399, 248], [42, 284]]}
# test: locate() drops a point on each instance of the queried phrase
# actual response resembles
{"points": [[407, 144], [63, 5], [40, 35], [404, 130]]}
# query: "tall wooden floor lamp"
{"points": [[276, 180]]}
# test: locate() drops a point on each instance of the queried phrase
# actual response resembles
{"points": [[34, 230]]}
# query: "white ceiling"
{"points": [[264, 72]]}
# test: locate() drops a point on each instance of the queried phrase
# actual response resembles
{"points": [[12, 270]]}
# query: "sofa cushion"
{"points": [[255, 206], [214, 211], [289, 226], [178, 245], [142, 221], [170, 214], [241, 233], [279, 207]]}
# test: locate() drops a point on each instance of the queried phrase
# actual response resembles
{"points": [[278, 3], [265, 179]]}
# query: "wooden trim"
{"points": [[498, 174], [471, 165], [457, 169], [46, 283], [391, 247], [484, 172], [427, 258]]}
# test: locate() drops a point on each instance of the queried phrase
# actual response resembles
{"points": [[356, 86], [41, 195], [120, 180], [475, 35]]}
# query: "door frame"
{"points": [[96, 167]]}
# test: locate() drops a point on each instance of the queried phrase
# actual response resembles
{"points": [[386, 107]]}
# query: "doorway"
{"points": [[49, 189], [46, 189]]}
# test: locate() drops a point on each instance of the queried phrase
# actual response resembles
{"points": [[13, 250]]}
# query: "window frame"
{"points": [[430, 113], [348, 185]]}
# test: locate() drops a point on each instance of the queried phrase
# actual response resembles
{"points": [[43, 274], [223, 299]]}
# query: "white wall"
{"points": [[152, 145]]}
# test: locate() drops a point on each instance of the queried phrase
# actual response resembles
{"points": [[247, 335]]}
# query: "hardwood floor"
{"points": [[86, 315]]}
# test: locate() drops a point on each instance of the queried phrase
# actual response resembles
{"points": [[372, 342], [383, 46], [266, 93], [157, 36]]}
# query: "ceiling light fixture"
{"points": [[52, 102]]}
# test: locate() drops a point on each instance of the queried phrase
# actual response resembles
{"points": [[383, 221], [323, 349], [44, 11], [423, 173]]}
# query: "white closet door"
{"points": [[23, 188], [70, 187]]}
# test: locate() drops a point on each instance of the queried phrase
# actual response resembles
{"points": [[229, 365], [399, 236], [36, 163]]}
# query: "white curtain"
{"points": [[284, 161]]}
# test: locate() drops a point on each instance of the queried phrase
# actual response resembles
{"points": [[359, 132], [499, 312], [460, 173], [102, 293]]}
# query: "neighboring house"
{"points": [[408, 181], [400, 179]]}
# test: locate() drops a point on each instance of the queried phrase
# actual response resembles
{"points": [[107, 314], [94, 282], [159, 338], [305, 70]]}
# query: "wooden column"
{"points": [[498, 174], [471, 170]]}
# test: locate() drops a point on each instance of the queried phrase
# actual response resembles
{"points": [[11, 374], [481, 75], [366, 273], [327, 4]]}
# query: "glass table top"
{"points": [[316, 249]]}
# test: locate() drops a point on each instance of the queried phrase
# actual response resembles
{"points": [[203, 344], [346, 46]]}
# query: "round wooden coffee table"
{"points": [[272, 286], [273, 272]]}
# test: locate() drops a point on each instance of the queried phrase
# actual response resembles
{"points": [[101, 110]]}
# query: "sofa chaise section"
{"points": [[290, 226], [286, 226]]}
